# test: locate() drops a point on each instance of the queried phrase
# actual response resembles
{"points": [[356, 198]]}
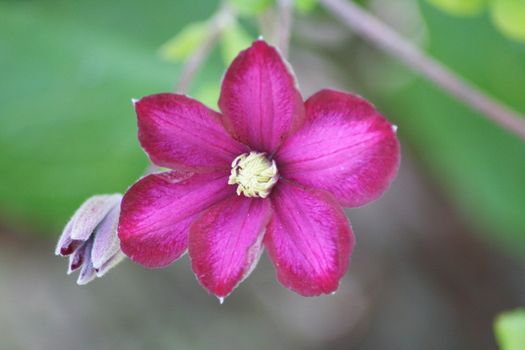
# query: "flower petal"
{"points": [[180, 133], [109, 264], [157, 211], [345, 147], [105, 242], [309, 239], [66, 245], [260, 99], [87, 272], [77, 258], [225, 242], [84, 221]]}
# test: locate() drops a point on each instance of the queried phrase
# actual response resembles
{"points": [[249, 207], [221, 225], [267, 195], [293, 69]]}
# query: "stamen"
{"points": [[254, 174]]}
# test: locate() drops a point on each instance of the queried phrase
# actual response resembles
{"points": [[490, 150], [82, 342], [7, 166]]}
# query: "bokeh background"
{"points": [[437, 258]]}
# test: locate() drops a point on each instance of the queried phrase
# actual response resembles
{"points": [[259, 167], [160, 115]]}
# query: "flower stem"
{"points": [[285, 24], [386, 39]]}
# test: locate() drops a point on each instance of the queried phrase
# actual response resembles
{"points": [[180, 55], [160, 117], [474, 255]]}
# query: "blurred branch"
{"points": [[195, 61], [385, 38], [192, 65], [285, 24]]}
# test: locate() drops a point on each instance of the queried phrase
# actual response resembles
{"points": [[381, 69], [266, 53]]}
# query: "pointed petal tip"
{"points": [[64, 241], [60, 252], [72, 266], [63, 251], [87, 274], [346, 148], [68, 247], [310, 255], [221, 300], [85, 278], [110, 264], [83, 282], [59, 249], [75, 262], [226, 242]]}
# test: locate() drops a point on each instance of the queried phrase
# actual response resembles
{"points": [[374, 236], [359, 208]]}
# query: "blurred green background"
{"points": [[445, 246]]}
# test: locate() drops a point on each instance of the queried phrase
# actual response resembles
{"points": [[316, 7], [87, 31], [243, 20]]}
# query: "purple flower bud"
{"points": [[90, 238], [106, 251]]}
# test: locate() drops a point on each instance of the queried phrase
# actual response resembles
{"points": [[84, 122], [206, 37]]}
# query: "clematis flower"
{"points": [[268, 171], [90, 238]]}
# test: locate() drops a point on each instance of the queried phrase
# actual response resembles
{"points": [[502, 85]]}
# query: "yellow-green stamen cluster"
{"points": [[254, 174]]}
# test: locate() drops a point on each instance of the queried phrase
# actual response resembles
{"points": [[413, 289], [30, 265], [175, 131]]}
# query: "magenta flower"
{"points": [[269, 171]]}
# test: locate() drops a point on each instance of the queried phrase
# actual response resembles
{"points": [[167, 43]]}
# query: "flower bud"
{"points": [[90, 238]]}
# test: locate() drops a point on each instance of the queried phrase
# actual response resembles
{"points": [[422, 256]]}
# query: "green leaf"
{"points": [[305, 6], [209, 95], [509, 328], [250, 7], [67, 125], [460, 7], [509, 17], [234, 39], [184, 43]]}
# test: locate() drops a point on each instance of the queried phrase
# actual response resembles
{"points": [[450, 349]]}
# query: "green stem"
{"points": [[385, 38]]}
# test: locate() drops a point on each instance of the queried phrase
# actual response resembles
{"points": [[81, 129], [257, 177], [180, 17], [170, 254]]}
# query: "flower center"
{"points": [[254, 174]]}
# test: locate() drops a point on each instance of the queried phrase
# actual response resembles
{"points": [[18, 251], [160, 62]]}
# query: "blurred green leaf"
{"points": [[305, 6], [67, 125], [209, 95], [510, 330], [509, 17], [250, 7], [479, 164], [460, 7], [185, 42], [234, 39]]}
